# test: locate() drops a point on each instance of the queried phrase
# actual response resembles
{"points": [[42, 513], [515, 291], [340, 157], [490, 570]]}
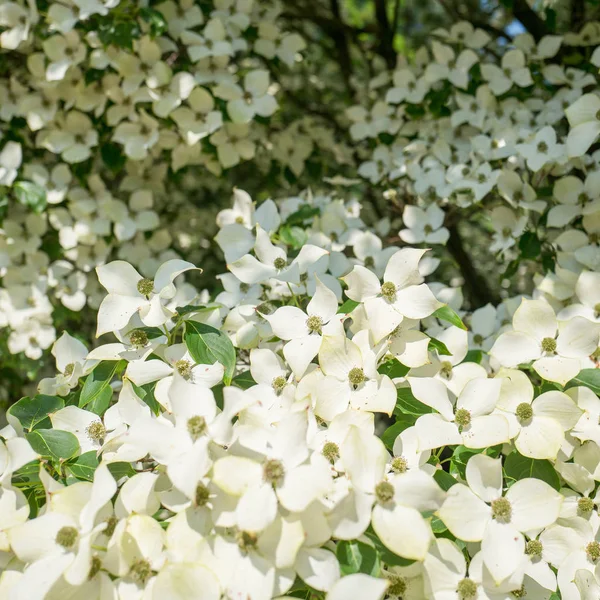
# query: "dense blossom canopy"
{"points": [[347, 407]]}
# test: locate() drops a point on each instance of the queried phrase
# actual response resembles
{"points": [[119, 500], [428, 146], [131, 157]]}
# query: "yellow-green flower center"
{"points": [[466, 589], [196, 426], [384, 492], [278, 384], [96, 431], [140, 571], [111, 525], [95, 566], [331, 451], [501, 509], [593, 551], [184, 368], [69, 370], [356, 376], [279, 263], [524, 411], [246, 540], [397, 585], [446, 369], [138, 338], [145, 286], [549, 345], [534, 548], [66, 537], [462, 417], [314, 323], [399, 464], [585, 505], [388, 291], [202, 495], [520, 593], [273, 472]]}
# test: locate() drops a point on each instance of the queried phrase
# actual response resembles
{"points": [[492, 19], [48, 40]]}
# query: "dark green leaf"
{"points": [[304, 213], [407, 404], [445, 313], [208, 345], [393, 368], [441, 348], [444, 479], [460, 457], [96, 383], [146, 393], [244, 380], [121, 469], [391, 433], [33, 412], [357, 557], [101, 402], [189, 309], [155, 19], [112, 155], [53, 443], [519, 467], [30, 194], [475, 356], [589, 378], [84, 466], [530, 245]]}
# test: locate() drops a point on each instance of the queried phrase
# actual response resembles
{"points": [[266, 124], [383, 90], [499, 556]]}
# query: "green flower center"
{"points": [[524, 411], [369, 262], [520, 593], [314, 323], [184, 368], [246, 540], [279, 263], [331, 451], [549, 345], [273, 472], [598, 115], [278, 384], [478, 339], [356, 376], [462, 417], [145, 286], [388, 291], [399, 464], [384, 492], [140, 571], [501, 509], [138, 338], [111, 525], [585, 505], [534, 548], [95, 566], [593, 551], [466, 589], [244, 287], [196, 426], [202, 495], [96, 431], [397, 585], [69, 370], [542, 147], [446, 369], [596, 310], [66, 537], [427, 229]]}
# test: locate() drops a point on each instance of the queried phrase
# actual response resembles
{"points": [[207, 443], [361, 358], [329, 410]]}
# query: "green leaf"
{"points": [[101, 402], [357, 557], [475, 356], [121, 469], [393, 368], [33, 412], [304, 213], [155, 19], [146, 393], [391, 433], [441, 348], [84, 466], [53, 443], [460, 458], [30, 194], [519, 467], [530, 245], [445, 313], [189, 309], [347, 307], [208, 345], [243, 380], [444, 479], [407, 404], [294, 236], [95, 387], [589, 378], [112, 154]]}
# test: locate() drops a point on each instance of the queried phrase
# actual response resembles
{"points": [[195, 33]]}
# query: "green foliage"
{"points": [[54, 444], [33, 413], [31, 195], [517, 467]]}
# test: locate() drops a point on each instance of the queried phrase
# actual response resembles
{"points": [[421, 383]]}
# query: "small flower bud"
{"points": [[331, 451], [466, 589], [278, 384], [593, 551], [462, 417], [388, 291], [585, 505], [524, 411], [534, 548], [356, 376], [399, 464], [314, 323], [279, 263], [67, 537], [138, 338], [96, 431], [549, 345]]}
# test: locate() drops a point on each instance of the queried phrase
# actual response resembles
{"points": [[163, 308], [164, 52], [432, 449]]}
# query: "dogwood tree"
{"points": [[299, 300]]}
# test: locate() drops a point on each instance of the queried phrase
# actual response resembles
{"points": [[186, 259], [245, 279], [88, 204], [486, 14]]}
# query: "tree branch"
{"points": [[534, 24], [338, 35], [577, 14], [386, 34], [475, 286]]}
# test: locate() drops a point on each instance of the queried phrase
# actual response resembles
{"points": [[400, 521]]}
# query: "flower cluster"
{"points": [[325, 426], [103, 103]]}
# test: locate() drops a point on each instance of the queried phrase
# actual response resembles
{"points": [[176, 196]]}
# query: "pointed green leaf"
{"points": [[33, 412], [445, 313], [84, 466], [53, 443], [208, 345]]}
